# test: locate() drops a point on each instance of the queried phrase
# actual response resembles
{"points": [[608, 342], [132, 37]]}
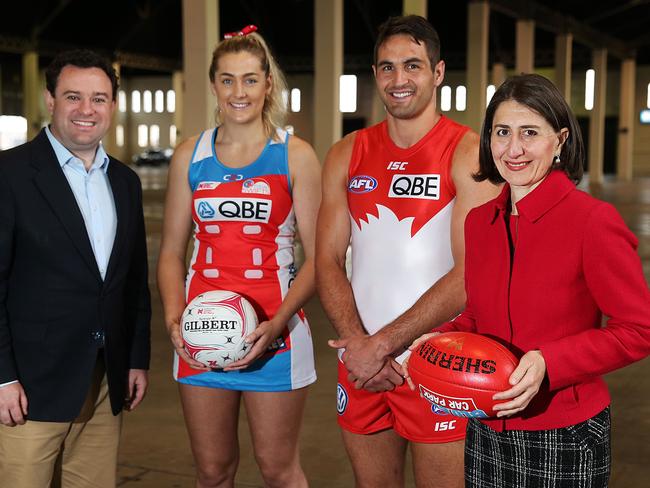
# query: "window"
{"points": [[445, 98], [13, 131], [489, 93], [295, 100], [119, 135], [590, 77], [348, 93], [648, 101], [147, 101], [121, 101], [461, 98], [159, 101], [143, 135], [154, 135], [171, 101], [135, 101], [172, 135]]}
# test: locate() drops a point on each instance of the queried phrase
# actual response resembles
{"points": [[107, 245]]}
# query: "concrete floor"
{"points": [[155, 451]]}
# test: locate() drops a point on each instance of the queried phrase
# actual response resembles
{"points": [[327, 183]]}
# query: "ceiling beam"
{"points": [[559, 23]]}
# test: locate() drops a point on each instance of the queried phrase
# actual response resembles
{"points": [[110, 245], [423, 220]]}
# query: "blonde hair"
{"points": [[274, 111]]}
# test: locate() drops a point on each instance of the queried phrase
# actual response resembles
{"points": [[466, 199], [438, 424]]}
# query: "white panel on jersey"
{"points": [[208, 255], [252, 229], [253, 274], [391, 269], [204, 147], [257, 256], [211, 273], [212, 229]]}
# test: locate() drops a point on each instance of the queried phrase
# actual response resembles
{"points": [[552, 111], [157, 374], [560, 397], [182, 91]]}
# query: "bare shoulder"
{"points": [[466, 153], [183, 151], [340, 153], [300, 150]]}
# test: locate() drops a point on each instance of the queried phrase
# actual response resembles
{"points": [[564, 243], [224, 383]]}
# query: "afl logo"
{"points": [[362, 184], [341, 399]]}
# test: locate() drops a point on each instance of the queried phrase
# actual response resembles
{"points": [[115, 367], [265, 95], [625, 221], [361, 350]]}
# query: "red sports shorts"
{"points": [[412, 417]]}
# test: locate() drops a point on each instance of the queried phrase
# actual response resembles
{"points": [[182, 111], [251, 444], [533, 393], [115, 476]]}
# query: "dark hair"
{"points": [[541, 96], [418, 28], [81, 58]]}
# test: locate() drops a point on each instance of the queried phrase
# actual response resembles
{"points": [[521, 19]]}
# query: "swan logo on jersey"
{"points": [[233, 209], [415, 186], [208, 185], [205, 211], [256, 185], [362, 184], [341, 399]]}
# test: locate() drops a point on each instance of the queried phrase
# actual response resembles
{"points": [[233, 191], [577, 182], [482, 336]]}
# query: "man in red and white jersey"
{"points": [[399, 192]]}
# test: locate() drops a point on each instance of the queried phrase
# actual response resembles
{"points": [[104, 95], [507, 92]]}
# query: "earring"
{"points": [[556, 159]]}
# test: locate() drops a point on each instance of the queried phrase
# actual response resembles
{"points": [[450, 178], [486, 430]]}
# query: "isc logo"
{"points": [[362, 184], [446, 425], [397, 165], [415, 186]]}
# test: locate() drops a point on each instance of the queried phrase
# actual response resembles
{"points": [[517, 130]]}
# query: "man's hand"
{"points": [[362, 357], [259, 339], [526, 380], [387, 379], [174, 330], [412, 347], [137, 388], [13, 405]]}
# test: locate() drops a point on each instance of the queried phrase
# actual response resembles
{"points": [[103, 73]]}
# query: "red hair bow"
{"points": [[244, 32]]}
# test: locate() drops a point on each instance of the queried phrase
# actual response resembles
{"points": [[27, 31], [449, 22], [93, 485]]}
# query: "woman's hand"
{"points": [[174, 331], [260, 339], [525, 380], [412, 347]]}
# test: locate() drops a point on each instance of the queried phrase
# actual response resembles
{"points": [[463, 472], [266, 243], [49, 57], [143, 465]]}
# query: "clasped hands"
{"points": [[368, 367]]}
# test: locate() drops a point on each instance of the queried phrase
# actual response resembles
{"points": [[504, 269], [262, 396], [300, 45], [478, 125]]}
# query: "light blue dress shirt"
{"points": [[92, 190]]}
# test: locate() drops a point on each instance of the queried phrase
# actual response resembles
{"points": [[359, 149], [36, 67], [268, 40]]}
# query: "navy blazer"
{"points": [[53, 302]]}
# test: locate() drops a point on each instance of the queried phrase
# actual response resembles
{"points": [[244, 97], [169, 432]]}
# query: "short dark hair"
{"points": [[541, 96], [418, 28], [81, 58]]}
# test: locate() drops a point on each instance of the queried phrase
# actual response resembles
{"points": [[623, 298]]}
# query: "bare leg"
{"points": [[211, 416], [438, 465], [274, 419], [377, 459]]}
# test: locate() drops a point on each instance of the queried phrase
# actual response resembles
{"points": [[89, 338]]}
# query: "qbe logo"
{"points": [[362, 184], [234, 209], [425, 187], [341, 399]]}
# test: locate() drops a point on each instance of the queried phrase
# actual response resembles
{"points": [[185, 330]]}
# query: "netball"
{"points": [[458, 372], [214, 326]]}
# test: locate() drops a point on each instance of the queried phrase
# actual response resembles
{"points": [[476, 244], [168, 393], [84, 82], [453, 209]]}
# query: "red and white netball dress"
{"points": [[243, 242], [400, 203]]}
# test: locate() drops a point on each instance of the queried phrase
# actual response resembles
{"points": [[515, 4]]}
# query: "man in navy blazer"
{"points": [[74, 301]]}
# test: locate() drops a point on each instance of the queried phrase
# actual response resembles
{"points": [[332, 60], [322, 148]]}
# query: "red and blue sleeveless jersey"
{"points": [[244, 228], [400, 202]]}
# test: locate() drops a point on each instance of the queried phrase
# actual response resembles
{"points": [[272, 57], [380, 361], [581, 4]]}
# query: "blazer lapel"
{"points": [[122, 200], [54, 187]]}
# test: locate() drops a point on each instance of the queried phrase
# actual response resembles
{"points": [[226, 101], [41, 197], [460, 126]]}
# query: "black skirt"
{"points": [[578, 456]]}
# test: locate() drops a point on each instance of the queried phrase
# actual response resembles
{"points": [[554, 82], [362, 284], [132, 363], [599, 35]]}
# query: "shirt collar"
{"points": [[535, 204], [63, 154]]}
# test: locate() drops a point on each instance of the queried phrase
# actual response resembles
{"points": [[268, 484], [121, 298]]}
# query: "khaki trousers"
{"points": [[78, 454]]}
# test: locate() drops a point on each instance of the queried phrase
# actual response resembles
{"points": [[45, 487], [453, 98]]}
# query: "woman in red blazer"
{"points": [[543, 263]]}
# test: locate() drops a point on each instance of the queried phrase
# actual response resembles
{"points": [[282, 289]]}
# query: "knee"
{"points": [[280, 473], [216, 474]]}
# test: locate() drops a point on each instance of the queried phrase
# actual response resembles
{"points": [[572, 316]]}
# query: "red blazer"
{"points": [[574, 260]]}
